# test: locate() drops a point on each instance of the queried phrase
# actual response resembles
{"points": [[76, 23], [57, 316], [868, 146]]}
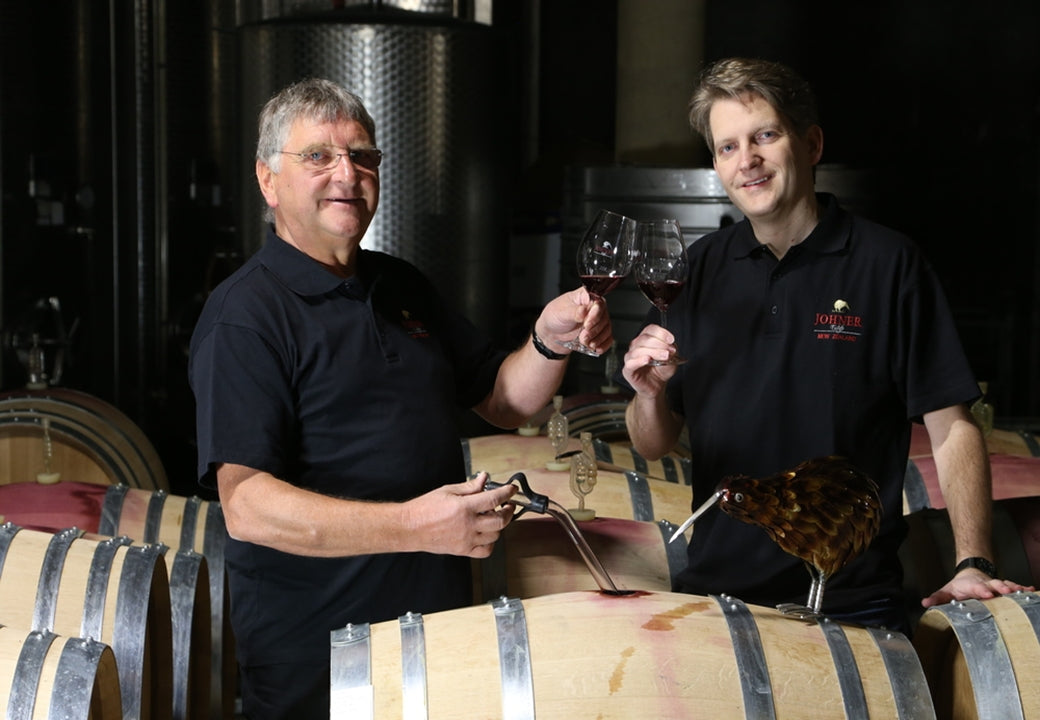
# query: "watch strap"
{"points": [[543, 350], [979, 563]]}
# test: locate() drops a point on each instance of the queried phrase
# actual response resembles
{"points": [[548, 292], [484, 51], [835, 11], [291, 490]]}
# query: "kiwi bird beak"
{"points": [[697, 513]]}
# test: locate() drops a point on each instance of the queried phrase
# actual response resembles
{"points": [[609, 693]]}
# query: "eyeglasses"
{"points": [[327, 157]]}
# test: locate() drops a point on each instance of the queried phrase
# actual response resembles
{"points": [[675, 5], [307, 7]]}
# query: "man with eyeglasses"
{"points": [[327, 380]]}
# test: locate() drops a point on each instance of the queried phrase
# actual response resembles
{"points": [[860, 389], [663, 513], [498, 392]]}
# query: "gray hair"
{"points": [[735, 78], [314, 98]]}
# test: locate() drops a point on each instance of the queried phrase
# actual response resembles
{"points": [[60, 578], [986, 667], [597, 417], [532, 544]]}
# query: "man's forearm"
{"points": [[962, 466], [525, 384], [652, 427]]}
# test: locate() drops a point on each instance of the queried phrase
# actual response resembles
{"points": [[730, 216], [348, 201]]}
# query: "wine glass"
{"points": [[604, 259], [660, 269]]}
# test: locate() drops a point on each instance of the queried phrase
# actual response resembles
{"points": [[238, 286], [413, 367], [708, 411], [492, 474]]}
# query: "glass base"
{"points": [[578, 347], [673, 360]]}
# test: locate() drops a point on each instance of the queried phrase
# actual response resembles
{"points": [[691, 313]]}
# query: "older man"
{"points": [[328, 379]]}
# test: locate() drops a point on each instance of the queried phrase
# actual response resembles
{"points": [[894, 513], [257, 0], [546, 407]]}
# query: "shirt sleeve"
{"points": [[244, 405], [935, 371]]}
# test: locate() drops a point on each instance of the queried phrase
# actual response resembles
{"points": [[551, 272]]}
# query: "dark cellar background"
{"points": [[937, 101]]}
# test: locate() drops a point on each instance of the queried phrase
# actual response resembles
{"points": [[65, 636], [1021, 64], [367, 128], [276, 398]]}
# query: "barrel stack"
{"points": [[98, 561], [114, 603], [544, 639]]}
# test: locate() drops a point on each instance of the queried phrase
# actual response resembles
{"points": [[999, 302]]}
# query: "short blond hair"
{"points": [[777, 84]]}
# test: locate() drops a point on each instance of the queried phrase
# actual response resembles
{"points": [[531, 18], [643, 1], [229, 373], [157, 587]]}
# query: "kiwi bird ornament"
{"points": [[824, 512]]}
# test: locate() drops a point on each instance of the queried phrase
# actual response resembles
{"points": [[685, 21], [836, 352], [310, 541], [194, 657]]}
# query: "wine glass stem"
{"points": [[664, 318]]}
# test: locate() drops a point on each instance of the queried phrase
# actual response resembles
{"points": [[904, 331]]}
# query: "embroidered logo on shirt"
{"points": [[839, 323], [415, 328]]}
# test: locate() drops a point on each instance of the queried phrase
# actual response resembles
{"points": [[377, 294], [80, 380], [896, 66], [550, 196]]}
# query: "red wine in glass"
{"points": [[601, 284], [661, 292], [604, 259], [660, 269]]}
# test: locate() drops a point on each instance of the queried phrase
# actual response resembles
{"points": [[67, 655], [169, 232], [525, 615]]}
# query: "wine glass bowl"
{"points": [[660, 269], [604, 259]]}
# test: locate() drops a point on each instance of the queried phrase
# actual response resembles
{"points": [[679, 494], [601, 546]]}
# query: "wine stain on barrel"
{"points": [[663, 622], [619, 672]]}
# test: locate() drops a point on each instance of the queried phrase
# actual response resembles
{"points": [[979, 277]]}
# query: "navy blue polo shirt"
{"points": [[832, 350], [348, 388]]}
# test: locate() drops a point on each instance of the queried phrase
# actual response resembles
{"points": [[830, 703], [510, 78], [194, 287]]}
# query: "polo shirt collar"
{"points": [[831, 234], [301, 273]]}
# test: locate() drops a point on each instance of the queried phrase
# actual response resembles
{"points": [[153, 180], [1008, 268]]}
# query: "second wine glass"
{"points": [[604, 259], [660, 269]]}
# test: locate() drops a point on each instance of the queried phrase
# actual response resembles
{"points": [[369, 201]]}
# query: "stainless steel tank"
{"points": [[429, 83]]}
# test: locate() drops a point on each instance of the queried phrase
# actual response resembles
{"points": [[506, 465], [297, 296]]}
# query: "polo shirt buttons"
{"points": [[773, 310]]}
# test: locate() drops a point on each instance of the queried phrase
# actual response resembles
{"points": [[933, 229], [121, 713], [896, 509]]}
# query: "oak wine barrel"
{"points": [[1014, 476], [47, 675], [107, 590], [75, 436], [190, 633], [204, 663], [192, 525], [626, 494], [52, 508], [509, 452], [644, 655], [602, 414], [1013, 442], [981, 657], [537, 557], [673, 467]]}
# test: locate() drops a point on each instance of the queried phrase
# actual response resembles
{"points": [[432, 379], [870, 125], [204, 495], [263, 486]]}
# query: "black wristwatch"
{"points": [[544, 351], [979, 563]]}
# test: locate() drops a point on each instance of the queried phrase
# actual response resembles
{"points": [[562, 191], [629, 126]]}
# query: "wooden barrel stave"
{"points": [[672, 467], [603, 415], [91, 440], [536, 557], [625, 495], [190, 626], [1013, 442], [46, 675], [189, 525], [588, 654], [195, 525], [190, 610], [52, 508], [980, 657], [123, 589], [508, 452], [1013, 477]]}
